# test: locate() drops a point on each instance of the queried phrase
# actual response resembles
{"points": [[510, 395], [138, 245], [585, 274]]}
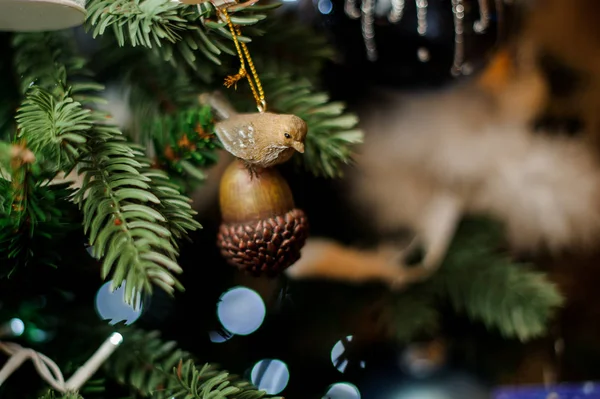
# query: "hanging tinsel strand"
{"points": [[367, 15]]}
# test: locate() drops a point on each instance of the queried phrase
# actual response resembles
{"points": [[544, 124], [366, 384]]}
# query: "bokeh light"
{"points": [[90, 251], [219, 337], [37, 335], [325, 6], [336, 354], [17, 327], [270, 375], [116, 338], [112, 306], [421, 360], [241, 310], [425, 392], [342, 390]]}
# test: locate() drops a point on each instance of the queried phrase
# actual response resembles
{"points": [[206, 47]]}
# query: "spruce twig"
{"points": [[172, 29], [152, 367], [122, 213], [489, 286]]}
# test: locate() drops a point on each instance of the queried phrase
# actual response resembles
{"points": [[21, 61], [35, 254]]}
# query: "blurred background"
{"points": [[318, 338]]}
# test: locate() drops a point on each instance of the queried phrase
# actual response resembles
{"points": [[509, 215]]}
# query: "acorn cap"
{"points": [[245, 198], [265, 247]]}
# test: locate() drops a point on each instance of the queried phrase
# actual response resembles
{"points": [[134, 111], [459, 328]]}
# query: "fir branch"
{"points": [[185, 144], [28, 230], [206, 381], [331, 131], [488, 286], [32, 212], [55, 126], [159, 369], [54, 395], [120, 206], [174, 28], [285, 56], [175, 207], [290, 47], [120, 216]]}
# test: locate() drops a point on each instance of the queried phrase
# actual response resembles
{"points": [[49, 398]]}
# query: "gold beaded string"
{"points": [[242, 50]]}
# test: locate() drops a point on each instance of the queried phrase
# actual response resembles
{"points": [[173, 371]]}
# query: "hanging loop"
{"points": [[244, 56]]}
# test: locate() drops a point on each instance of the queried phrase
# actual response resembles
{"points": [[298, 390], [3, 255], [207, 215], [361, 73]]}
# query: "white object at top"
{"points": [[40, 15]]}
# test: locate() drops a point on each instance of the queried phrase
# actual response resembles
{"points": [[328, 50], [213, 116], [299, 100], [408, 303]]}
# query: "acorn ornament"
{"points": [[262, 232]]}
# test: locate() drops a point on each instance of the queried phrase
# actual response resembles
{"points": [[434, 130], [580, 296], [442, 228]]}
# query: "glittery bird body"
{"points": [[263, 139]]}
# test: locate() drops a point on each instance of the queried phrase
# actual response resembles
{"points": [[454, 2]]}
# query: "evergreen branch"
{"points": [[54, 395], [205, 382], [29, 229], [175, 207], [47, 60], [173, 27], [490, 287], [120, 216], [289, 47], [119, 203], [32, 213], [288, 50], [185, 144], [55, 126], [159, 369], [143, 362], [331, 131]]}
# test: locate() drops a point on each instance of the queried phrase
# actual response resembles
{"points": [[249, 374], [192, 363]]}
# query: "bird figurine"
{"points": [[262, 139]]}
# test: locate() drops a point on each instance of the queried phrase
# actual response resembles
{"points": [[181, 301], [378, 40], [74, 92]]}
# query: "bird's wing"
{"points": [[238, 137]]}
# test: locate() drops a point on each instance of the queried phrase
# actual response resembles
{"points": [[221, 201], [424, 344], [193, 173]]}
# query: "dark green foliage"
{"points": [[288, 57], [481, 281], [407, 316], [185, 144], [152, 367], [32, 214], [331, 132], [144, 363], [121, 218], [54, 395], [130, 197], [29, 227], [491, 287], [122, 212], [290, 48], [55, 126], [172, 29]]}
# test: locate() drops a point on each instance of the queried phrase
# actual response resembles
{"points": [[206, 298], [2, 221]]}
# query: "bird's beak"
{"points": [[298, 146]]}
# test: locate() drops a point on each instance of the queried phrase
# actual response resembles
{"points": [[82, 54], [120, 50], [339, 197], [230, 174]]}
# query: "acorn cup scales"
{"points": [[262, 232]]}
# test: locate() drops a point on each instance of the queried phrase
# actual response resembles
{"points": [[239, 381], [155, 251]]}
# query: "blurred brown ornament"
{"points": [[262, 233]]}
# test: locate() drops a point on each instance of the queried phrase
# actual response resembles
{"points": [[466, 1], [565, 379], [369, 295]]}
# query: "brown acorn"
{"points": [[262, 233]]}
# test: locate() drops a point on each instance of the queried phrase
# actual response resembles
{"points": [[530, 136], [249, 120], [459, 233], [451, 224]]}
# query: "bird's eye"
{"points": [[287, 136]]}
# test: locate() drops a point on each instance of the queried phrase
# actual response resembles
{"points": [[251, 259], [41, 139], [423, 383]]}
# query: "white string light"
{"points": [[49, 371]]}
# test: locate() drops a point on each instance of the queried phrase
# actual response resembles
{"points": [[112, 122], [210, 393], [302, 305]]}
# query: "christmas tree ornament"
{"points": [[408, 43], [261, 139], [40, 15], [370, 10], [262, 232]]}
